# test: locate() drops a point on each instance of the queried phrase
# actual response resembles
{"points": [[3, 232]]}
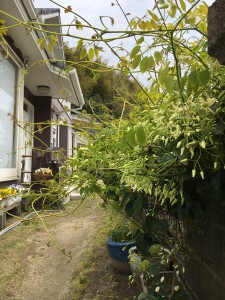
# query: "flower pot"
{"points": [[41, 177], [12, 200], [119, 252]]}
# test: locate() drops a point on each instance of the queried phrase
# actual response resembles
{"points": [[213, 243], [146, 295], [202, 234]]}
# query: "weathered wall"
{"points": [[216, 30], [205, 271]]}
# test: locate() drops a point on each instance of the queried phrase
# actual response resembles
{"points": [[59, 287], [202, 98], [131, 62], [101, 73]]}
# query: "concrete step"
{"points": [[75, 196]]}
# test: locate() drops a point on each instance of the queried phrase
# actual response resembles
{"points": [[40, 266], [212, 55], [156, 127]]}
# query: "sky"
{"points": [[92, 9]]}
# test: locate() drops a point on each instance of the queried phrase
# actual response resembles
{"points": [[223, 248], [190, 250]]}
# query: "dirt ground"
{"points": [[32, 267]]}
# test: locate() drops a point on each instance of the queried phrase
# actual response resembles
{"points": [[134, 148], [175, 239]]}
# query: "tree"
{"points": [[104, 89]]}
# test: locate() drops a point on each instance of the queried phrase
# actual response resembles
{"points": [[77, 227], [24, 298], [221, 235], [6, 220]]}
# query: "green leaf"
{"points": [[80, 44], [202, 174], [135, 51], [141, 136], [40, 41], [140, 40], [50, 48], [183, 5], [136, 61], [147, 63], [91, 54], [154, 16], [172, 11], [162, 75], [131, 137], [164, 6], [169, 83], [54, 40], [202, 144], [83, 53], [147, 296], [204, 77], [144, 64], [112, 21], [193, 79], [158, 56]]}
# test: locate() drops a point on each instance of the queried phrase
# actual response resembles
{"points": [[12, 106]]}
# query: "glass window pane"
{"points": [[7, 106]]}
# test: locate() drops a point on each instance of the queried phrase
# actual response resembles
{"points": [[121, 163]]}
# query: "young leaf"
{"points": [[68, 9], [136, 61], [169, 83], [146, 64], [40, 41], [143, 64], [80, 44], [193, 173], [83, 53], [154, 16], [50, 48], [193, 79], [141, 137], [135, 51], [158, 56], [79, 26], [183, 5], [202, 174], [91, 54], [131, 137], [140, 40], [54, 40], [162, 75], [203, 144]]}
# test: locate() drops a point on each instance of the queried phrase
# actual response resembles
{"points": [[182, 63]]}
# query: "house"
{"points": [[32, 86]]}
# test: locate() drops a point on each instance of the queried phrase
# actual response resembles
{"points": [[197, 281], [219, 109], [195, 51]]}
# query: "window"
{"points": [[8, 71], [55, 131]]}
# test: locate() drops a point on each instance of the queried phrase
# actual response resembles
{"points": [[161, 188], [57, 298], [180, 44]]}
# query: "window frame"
{"points": [[7, 174]]}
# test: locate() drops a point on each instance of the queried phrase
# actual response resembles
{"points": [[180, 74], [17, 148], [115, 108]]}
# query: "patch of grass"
{"points": [[99, 279], [18, 243]]}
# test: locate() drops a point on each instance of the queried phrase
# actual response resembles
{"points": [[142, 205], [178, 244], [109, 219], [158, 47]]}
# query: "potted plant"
{"points": [[9, 196], [118, 244], [42, 174]]}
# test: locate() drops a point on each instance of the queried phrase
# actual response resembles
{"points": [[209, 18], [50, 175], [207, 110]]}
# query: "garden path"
{"points": [[46, 273]]}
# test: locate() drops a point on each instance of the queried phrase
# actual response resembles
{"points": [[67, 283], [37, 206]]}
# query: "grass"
{"points": [[94, 278]]}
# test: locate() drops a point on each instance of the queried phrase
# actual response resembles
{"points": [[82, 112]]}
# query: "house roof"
{"points": [[44, 68]]}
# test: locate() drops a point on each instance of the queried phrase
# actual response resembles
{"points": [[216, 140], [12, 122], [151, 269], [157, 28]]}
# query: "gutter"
{"points": [[76, 88], [29, 8]]}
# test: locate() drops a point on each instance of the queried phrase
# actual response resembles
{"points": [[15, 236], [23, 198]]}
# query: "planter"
{"points": [[119, 252], [12, 200], [41, 177]]}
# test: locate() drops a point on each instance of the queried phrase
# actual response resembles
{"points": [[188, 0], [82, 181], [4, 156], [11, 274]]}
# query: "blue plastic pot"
{"points": [[119, 250]]}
